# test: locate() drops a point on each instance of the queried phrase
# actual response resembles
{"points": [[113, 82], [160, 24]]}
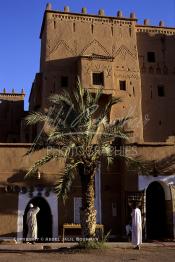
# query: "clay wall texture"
{"points": [[117, 48], [81, 44], [11, 113], [108, 46], [14, 164], [155, 74]]}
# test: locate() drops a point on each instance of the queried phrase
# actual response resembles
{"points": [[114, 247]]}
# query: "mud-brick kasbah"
{"points": [[128, 60]]}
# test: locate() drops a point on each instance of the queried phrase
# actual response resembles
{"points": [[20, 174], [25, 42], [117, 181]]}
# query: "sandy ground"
{"points": [[61, 253]]}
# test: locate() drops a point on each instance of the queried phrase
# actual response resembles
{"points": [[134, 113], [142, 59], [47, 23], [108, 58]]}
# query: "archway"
{"points": [[155, 212], [44, 219]]}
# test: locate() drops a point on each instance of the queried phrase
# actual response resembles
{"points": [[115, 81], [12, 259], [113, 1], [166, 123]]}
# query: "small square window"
{"points": [[122, 84], [161, 91], [151, 57], [98, 79], [64, 81]]}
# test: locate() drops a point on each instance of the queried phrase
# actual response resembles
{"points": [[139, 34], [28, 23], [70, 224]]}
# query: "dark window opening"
{"points": [[92, 28], [64, 81], [73, 27], [54, 24], [36, 107], [98, 79], [112, 30], [161, 90], [151, 57], [122, 84]]}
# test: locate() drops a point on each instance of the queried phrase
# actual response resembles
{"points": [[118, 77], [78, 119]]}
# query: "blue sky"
{"points": [[20, 23]]}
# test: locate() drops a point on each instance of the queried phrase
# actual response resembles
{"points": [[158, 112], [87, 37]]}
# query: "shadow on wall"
{"points": [[155, 167], [11, 113], [166, 166], [8, 205], [19, 178], [12, 234]]}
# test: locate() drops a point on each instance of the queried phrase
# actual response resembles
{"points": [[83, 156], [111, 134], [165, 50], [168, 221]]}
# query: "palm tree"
{"points": [[78, 129]]}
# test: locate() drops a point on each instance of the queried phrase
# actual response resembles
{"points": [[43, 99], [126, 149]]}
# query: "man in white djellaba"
{"points": [[32, 223], [136, 226]]}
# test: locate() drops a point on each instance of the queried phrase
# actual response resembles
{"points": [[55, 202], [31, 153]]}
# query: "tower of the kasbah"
{"points": [[127, 60]]}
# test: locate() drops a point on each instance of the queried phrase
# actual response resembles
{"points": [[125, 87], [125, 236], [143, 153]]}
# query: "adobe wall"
{"points": [[14, 165], [160, 159], [163, 170], [8, 214], [161, 72], [156, 151], [11, 113], [108, 45]]}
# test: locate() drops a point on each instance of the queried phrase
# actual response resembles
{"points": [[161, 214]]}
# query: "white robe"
{"points": [[136, 227], [32, 223]]}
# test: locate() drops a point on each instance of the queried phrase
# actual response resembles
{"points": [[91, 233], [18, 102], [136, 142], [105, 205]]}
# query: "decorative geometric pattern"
{"points": [[58, 45], [108, 71], [95, 43], [129, 76], [123, 51]]}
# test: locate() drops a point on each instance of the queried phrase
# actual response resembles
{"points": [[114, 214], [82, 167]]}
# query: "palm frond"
{"points": [[64, 183], [78, 121], [98, 95], [107, 152], [100, 130], [139, 165], [35, 117], [47, 158], [112, 101], [36, 147], [81, 94], [62, 98]]}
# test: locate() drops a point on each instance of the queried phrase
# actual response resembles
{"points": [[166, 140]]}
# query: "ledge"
{"points": [[155, 29], [15, 144], [154, 144]]}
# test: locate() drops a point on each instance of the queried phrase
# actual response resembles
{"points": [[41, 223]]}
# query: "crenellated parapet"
{"points": [[102, 17], [84, 16], [146, 28], [101, 12], [12, 95], [161, 28], [130, 60]]}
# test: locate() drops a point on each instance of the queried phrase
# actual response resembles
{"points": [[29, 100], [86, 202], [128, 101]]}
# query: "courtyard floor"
{"points": [[60, 252]]}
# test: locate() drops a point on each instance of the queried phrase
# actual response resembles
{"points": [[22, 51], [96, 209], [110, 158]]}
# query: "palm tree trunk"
{"points": [[88, 211]]}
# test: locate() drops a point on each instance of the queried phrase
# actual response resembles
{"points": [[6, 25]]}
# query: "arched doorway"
{"points": [[44, 219], [155, 212]]}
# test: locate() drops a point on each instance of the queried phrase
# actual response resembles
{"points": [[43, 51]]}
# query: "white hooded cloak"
{"points": [[136, 227], [32, 223]]}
